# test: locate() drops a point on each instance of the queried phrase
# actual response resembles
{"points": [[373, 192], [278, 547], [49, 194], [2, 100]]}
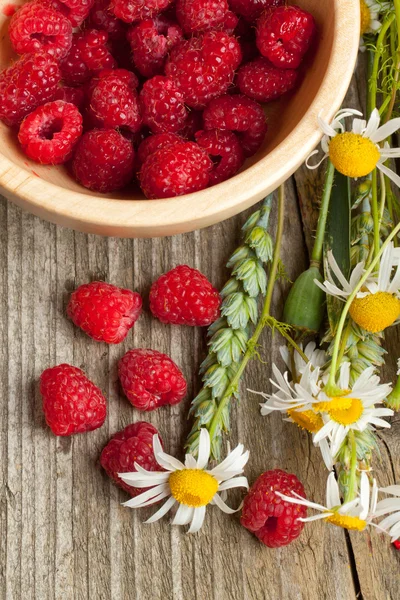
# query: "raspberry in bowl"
{"points": [[203, 92]]}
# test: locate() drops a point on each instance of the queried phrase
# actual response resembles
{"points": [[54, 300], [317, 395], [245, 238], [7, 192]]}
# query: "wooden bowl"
{"points": [[52, 194]]}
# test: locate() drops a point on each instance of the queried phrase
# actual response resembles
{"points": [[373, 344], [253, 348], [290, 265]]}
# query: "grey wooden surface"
{"points": [[63, 532]]}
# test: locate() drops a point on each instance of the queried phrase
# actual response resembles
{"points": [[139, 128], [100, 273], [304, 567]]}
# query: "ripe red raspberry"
{"points": [[104, 311], [396, 544], [226, 147], [114, 101], [175, 170], [184, 296], [71, 402], [103, 160], [252, 9], [263, 82], [200, 15], [284, 35], [102, 18], [271, 519], [150, 379], [134, 444], [49, 134], [193, 124], [26, 84], [76, 11], [163, 109], [150, 42], [72, 95], [203, 67], [88, 55], [239, 114], [137, 10], [36, 27], [154, 142]]}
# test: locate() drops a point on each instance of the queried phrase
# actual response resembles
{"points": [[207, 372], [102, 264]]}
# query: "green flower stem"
{"points": [[331, 388], [215, 423], [352, 487], [375, 211], [380, 46], [316, 255], [295, 346], [396, 54]]}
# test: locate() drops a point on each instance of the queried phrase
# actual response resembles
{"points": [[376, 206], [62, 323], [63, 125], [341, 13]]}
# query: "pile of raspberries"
{"points": [[166, 93]]}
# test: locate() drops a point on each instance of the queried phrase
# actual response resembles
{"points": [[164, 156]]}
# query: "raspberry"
{"points": [[134, 444], [72, 95], [36, 27], [396, 544], [137, 10], [284, 35], [273, 520], [225, 146], [76, 11], [150, 42], [71, 402], [104, 311], [239, 114], [194, 123], [163, 109], [154, 142], [49, 134], [263, 82], [102, 18], [150, 379], [175, 170], [25, 85], [103, 160], [200, 15], [184, 296], [88, 55], [114, 101], [203, 67], [252, 9]]}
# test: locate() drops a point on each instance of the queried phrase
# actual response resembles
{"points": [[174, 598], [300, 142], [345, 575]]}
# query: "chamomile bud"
{"points": [[393, 400], [304, 304]]}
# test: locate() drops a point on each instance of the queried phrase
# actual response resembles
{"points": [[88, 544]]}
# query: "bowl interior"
{"points": [[283, 114]]}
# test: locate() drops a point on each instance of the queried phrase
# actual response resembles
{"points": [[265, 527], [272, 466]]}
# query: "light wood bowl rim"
{"points": [[136, 218]]}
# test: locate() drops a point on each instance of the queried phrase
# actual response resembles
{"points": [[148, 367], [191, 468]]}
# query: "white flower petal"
{"points": [[204, 448], [332, 491], [198, 519], [183, 515], [162, 511], [234, 483], [391, 174], [139, 500], [217, 500], [385, 131]]}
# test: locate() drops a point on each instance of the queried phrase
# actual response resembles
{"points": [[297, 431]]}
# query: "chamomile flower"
{"points": [[356, 153], [377, 304], [355, 515], [315, 356], [189, 485], [370, 11], [391, 507], [355, 410]]}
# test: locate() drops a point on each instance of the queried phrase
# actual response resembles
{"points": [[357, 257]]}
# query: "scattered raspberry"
{"points": [[114, 101], [104, 311], [150, 41], [175, 170], [252, 9], [76, 11], [150, 379], [134, 444], [396, 544], [184, 296], [200, 15], [203, 67], [88, 55], [263, 82], [225, 146], [239, 114], [71, 402], [36, 27], [270, 518], [163, 109], [49, 134], [26, 84], [72, 95], [284, 35], [137, 10], [229, 23], [102, 18], [103, 160], [154, 142]]}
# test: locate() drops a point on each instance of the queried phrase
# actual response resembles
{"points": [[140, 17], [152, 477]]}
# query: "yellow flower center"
{"points": [[335, 403], [375, 312], [193, 487], [347, 416], [306, 420], [352, 154], [365, 17], [346, 522]]}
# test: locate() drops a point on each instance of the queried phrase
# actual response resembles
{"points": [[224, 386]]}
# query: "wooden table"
{"points": [[63, 532]]}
